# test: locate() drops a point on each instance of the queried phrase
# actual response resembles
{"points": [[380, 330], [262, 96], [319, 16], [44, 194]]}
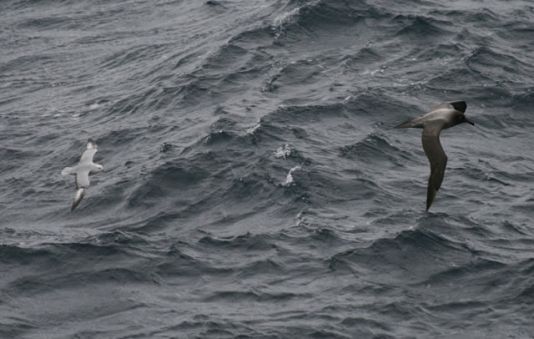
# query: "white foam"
{"points": [[282, 152], [253, 129], [289, 178], [286, 17]]}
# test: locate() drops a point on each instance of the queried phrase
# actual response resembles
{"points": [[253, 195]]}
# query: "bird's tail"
{"points": [[406, 124], [409, 124], [67, 171], [77, 198]]}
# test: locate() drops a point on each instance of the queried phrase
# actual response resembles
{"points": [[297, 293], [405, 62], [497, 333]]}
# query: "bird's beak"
{"points": [[469, 121]]}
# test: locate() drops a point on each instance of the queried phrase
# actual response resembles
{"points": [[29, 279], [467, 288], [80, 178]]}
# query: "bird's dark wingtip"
{"points": [[430, 197], [75, 204], [77, 198]]}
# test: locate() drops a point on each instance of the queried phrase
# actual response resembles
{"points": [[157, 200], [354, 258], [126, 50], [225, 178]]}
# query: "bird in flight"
{"points": [[441, 117], [82, 171]]}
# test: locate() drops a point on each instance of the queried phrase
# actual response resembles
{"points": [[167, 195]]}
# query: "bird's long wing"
{"points": [[89, 153], [82, 179], [437, 158]]}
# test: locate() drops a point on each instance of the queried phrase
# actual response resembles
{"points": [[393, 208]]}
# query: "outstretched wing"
{"points": [[68, 171], [82, 179], [437, 158], [89, 153]]}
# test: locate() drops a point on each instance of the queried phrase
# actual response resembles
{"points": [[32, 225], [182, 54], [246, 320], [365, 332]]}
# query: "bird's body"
{"points": [[441, 117], [82, 171]]}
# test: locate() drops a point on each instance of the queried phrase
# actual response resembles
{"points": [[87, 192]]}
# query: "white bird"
{"points": [[82, 171], [441, 117]]}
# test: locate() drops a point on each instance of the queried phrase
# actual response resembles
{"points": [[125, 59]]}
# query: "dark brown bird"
{"points": [[441, 117]]}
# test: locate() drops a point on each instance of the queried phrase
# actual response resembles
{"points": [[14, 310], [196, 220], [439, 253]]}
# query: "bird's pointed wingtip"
{"points": [[77, 198], [429, 201], [74, 205]]}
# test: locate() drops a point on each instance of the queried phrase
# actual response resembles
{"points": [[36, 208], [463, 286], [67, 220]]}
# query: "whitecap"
{"points": [[253, 129], [282, 152], [289, 178]]}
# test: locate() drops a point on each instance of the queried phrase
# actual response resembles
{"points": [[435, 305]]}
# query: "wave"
{"points": [[202, 110], [372, 148], [412, 255], [421, 28]]}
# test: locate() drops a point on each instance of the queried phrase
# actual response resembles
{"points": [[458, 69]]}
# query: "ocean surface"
{"points": [[253, 183]]}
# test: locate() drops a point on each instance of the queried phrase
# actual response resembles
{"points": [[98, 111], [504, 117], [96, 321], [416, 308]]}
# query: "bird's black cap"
{"points": [[460, 106]]}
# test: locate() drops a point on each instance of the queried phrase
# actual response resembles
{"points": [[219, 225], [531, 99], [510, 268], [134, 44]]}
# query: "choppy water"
{"points": [[198, 229]]}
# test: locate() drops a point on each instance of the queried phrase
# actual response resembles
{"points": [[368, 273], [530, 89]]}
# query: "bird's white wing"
{"points": [[82, 178], [89, 153], [437, 158], [68, 171]]}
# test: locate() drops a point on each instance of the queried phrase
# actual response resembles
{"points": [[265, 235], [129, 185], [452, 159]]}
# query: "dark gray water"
{"points": [[201, 109]]}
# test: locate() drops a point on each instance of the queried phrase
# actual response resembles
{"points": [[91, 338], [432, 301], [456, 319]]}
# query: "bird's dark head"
{"points": [[460, 106]]}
